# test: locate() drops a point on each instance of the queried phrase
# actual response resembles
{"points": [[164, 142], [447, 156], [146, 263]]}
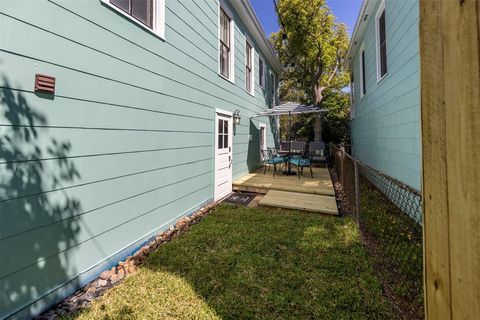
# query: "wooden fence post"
{"points": [[450, 103], [357, 189], [342, 182]]}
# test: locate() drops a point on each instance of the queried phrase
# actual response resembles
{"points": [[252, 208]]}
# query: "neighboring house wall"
{"points": [[386, 121], [123, 149]]}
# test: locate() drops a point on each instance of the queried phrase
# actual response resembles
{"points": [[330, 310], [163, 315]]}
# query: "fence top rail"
{"points": [[380, 173]]}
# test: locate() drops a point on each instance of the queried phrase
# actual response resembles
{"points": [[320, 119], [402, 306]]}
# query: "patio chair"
{"points": [[298, 146], [284, 146], [269, 159], [276, 155], [301, 161], [318, 152]]}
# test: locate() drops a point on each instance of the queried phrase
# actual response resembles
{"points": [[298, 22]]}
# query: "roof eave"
{"points": [[356, 34]]}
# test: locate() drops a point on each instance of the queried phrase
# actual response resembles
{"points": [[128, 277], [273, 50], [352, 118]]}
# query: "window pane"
{"points": [[224, 61], [220, 141], [224, 54], [225, 127], [222, 24], [122, 4], [249, 55], [260, 72], [364, 85], [272, 84], [142, 11], [220, 126], [224, 28], [225, 141], [383, 44]]}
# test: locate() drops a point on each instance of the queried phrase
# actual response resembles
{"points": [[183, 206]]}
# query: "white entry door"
{"points": [[223, 155]]}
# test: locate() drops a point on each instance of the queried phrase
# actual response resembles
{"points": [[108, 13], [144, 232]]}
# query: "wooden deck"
{"points": [[309, 194], [260, 183]]}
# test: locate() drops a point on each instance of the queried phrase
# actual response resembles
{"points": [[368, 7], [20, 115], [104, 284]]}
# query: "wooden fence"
{"points": [[450, 99]]}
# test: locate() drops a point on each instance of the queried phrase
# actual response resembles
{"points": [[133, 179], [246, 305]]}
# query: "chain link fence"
{"points": [[389, 215], [349, 172]]}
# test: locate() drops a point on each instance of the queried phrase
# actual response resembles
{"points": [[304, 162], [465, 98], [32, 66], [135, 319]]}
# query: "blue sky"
{"points": [[346, 11]]}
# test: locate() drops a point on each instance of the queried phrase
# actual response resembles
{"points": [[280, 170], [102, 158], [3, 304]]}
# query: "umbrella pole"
{"points": [[289, 141], [290, 131]]}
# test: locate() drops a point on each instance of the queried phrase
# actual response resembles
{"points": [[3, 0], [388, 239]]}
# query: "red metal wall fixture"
{"points": [[44, 83]]}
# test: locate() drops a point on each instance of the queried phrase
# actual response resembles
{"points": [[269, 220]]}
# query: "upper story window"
{"points": [[381, 42], [272, 87], [261, 73], [249, 68], [150, 14], [226, 45], [352, 95], [363, 83]]}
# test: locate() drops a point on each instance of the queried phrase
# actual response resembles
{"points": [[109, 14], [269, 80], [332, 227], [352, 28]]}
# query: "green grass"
{"points": [[397, 243], [248, 263]]}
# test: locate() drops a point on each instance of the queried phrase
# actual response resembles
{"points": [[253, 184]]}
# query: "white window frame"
{"points": [[261, 80], [363, 90], [158, 22], [381, 9], [229, 13], [252, 71]]}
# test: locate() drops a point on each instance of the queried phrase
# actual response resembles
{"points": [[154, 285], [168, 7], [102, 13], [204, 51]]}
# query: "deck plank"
{"points": [[261, 183], [300, 201]]}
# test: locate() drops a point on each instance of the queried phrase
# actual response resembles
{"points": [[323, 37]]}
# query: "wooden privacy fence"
{"points": [[450, 99]]}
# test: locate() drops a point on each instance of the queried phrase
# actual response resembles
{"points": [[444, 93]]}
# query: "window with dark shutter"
{"points": [[141, 10], [224, 44], [248, 68], [260, 73], [382, 44], [272, 88], [362, 67]]}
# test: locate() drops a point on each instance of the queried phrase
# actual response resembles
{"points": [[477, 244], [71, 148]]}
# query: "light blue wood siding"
{"points": [[125, 147], [386, 127]]}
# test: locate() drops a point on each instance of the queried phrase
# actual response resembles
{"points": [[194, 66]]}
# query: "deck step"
{"points": [[300, 201]]}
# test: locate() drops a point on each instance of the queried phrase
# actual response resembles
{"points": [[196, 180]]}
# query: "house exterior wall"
{"points": [[386, 121], [123, 149]]}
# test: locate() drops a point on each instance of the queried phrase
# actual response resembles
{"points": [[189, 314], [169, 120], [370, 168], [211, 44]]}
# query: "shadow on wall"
{"points": [[253, 153], [275, 129], [36, 226]]}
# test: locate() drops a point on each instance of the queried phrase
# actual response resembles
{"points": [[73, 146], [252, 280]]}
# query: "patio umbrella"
{"points": [[289, 108]]}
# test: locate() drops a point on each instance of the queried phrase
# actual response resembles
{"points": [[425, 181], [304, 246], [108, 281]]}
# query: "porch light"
{"points": [[236, 117]]}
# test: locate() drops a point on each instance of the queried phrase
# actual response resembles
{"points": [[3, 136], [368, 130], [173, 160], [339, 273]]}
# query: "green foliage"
{"points": [[249, 263], [314, 54], [336, 120], [313, 59]]}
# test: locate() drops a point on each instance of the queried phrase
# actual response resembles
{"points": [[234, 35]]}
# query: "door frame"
{"points": [[227, 114]]}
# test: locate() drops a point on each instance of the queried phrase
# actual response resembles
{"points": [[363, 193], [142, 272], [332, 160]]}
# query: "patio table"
{"points": [[287, 155]]}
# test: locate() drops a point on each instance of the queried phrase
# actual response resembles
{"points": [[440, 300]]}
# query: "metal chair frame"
{"points": [[270, 159]]}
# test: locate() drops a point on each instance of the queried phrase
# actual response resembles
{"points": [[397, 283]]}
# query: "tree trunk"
{"points": [[318, 127], [319, 116]]}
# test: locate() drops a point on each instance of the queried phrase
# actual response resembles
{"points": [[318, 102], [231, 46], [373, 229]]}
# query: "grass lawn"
{"points": [[240, 263], [396, 245]]}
